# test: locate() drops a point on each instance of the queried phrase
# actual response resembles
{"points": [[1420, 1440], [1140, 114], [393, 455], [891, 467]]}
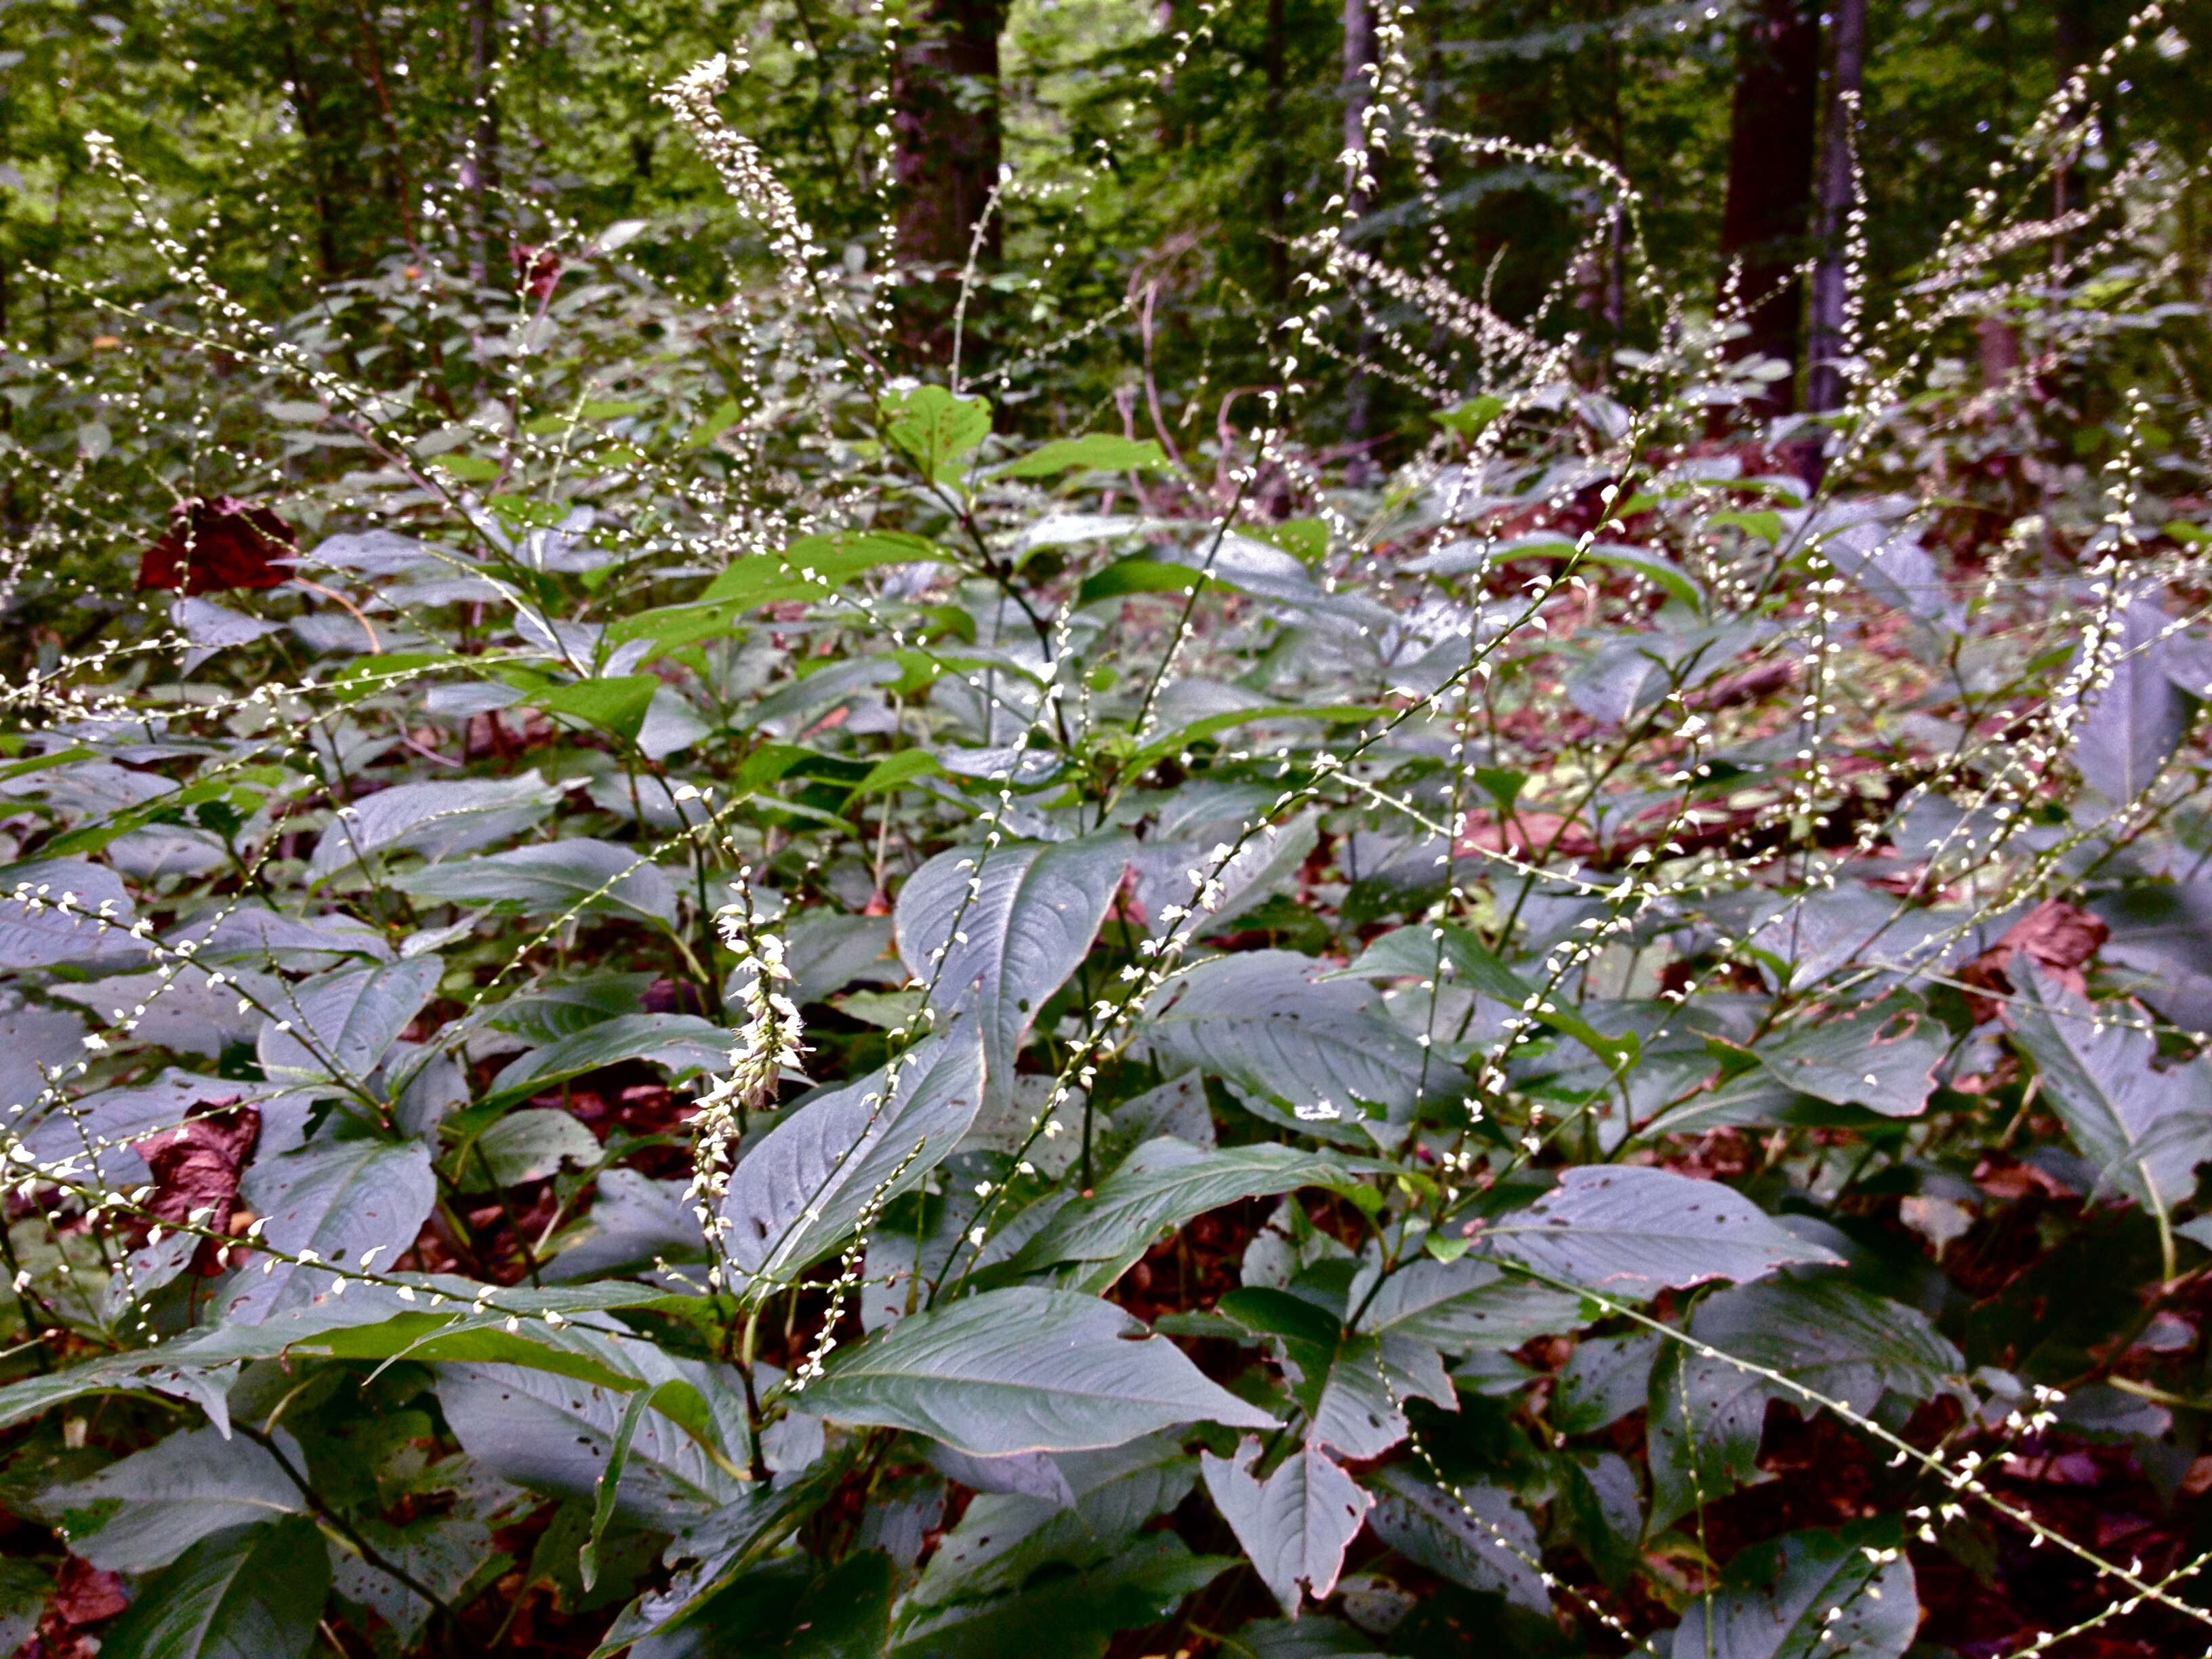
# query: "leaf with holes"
{"points": [[1632, 1231], [1847, 1594]]}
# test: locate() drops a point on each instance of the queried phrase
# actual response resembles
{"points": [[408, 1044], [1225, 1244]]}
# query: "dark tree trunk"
{"points": [[944, 161], [1359, 95], [483, 165], [1279, 255], [1769, 184], [1824, 381]]}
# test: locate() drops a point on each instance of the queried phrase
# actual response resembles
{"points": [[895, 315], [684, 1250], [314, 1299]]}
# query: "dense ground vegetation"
{"points": [[841, 831]]}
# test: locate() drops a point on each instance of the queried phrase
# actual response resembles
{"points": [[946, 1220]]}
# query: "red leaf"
{"points": [[196, 1167], [220, 543]]}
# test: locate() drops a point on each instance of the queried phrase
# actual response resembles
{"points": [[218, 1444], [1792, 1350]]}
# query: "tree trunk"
{"points": [[483, 167], [1824, 380], [1279, 254], [1358, 96], [1769, 184], [944, 160]]}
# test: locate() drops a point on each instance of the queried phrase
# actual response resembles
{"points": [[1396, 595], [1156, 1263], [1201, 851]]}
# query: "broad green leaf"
{"points": [[338, 1199], [145, 1510], [796, 1196], [994, 932], [1073, 1512], [342, 1023], [617, 705], [577, 874], [1272, 1022], [472, 469], [1446, 952], [1818, 1594], [1604, 1379], [528, 1146], [37, 932], [894, 771], [1164, 1183], [723, 416], [1138, 576], [1844, 1344], [1632, 1231], [933, 428], [2146, 1129], [1473, 1535], [1882, 1056], [437, 820], [249, 1592], [1023, 1370], [684, 1043], [555, 1434], [1069, 1616], [1464, 1305], [1161, 747], [2130, 725], [1295, 1525], [1652, 568], [1470, 418], [790, 1608], [1097, 451]]}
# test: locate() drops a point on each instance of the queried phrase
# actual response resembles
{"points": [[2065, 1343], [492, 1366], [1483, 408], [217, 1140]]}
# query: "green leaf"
{"points": [[1468, 419], [1164, 1183], [1098, 451], [610, 1483], [1464, 1305], [1139, 576], [1296, 1525], [1425, 949], [726, 415], [252, 1592], [528, 1145], [684, 1043], [2146, 1129], [1472, 1534], [1819, 1595], [472, 469], [555, 1434], [577, 874], [144, 1510], [617, 705], [933, 429], [1160, 748], [1883, 1055], [1019, 1370], [437, 820], [894, 771], [1271, 1022], [337, 1199], [342, 1023], [1604, 1379], [1652, 568], [797, 1195], [1070, 1616], [1844, 1343], [1000, 951], [1632, 1231]]}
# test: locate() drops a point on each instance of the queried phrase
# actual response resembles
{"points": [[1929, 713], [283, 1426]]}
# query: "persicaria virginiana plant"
{"points": [[763, 968]]}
